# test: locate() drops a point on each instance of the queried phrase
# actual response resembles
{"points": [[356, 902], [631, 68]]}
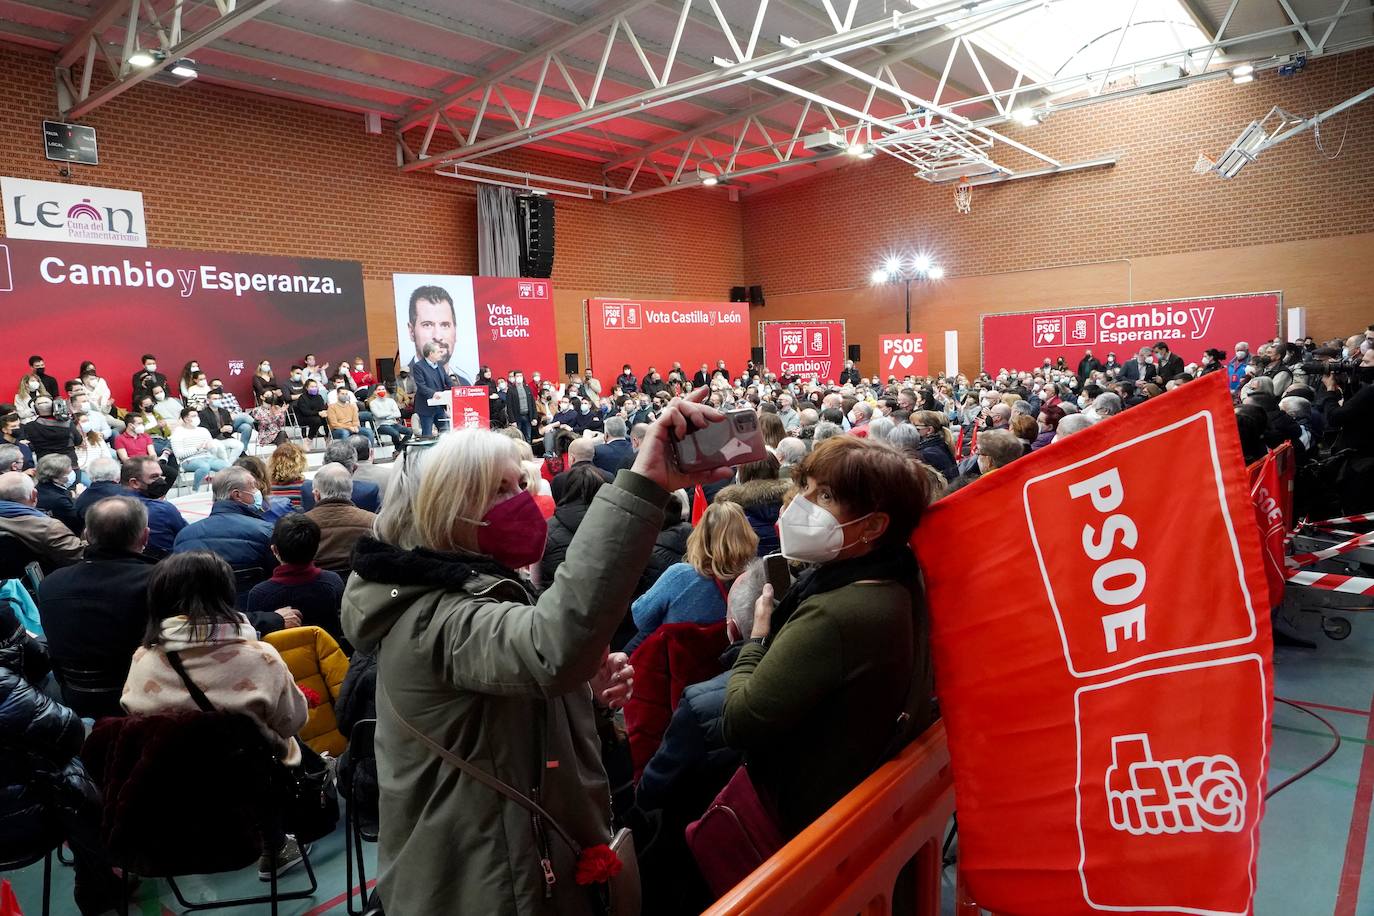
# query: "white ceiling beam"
{"points": [[244, 11], [100, 18]]}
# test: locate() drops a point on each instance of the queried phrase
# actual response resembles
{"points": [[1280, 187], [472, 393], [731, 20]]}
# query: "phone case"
{"points": [[737, 440]]}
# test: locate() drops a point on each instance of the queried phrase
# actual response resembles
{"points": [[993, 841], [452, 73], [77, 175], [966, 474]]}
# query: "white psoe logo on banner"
{"points": [[73, 213], [1147, 796]]}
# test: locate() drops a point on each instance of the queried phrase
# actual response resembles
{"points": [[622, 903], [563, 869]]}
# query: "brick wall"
{"points": [[226, 170]]}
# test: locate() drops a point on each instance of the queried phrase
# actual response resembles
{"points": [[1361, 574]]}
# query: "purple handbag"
{"points": [[736, 835]]}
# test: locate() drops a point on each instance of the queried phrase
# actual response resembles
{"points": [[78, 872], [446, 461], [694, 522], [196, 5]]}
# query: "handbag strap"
{"points": [[481, 775], [196, 693]]}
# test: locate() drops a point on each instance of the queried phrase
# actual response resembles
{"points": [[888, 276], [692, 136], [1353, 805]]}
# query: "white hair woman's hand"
{"points": [[614, 683], [682, 416]]}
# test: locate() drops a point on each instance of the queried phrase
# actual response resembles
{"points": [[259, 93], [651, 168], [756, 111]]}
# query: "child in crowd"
{"points": [[297, 582]]}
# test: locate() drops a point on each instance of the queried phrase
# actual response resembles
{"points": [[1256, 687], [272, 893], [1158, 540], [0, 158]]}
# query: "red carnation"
{"points": [[598, 864], [312, 698]]}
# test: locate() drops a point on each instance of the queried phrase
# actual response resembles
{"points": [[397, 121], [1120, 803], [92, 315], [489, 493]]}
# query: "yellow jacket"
{"points": [[319, 666]]}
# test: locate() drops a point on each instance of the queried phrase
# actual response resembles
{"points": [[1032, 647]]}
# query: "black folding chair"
{"points": [[360, 750]]}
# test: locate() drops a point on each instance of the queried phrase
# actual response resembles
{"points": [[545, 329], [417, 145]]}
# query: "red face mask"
{"points": [[513, 531]]}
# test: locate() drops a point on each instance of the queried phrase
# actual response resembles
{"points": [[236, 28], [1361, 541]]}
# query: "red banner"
{"points": [[1109, 721], [69, 303], [1190, 326], [515, 325], [902, 355], [811, 349], [646, 333], [471, 407]]}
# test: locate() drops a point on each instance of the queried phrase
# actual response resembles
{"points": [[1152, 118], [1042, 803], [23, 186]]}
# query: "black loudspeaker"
{"points": [[854, 352], [386, 370], [756, 295], [536, 236], [739, 294], [756, 354], [569, 362]]}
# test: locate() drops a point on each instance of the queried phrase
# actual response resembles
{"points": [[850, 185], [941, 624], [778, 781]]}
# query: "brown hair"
{"points": [[773, 430], [255, 466], [287, 464], [722, 545], [867, 477], [1024, 428]]}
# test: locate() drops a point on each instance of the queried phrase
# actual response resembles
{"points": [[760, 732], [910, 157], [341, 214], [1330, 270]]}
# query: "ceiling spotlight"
{"points": [[709, 179], [936, 273], [142, 58], [879, 276], [1242, 69], [185, 68], [866, 154], [1242, 80], [856, 149], [1026, 117]]}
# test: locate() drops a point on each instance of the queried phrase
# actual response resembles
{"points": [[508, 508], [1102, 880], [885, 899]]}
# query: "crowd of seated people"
{"points": [[557, 601]]}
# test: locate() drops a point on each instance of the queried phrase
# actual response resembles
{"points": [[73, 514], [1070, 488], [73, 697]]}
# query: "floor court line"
{"points": [[1348, 894]]}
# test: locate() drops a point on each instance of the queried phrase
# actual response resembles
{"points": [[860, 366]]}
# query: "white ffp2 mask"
{"points": [[809, 533]]}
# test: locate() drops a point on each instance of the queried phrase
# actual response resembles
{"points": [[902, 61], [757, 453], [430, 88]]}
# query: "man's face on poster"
{"points": [[433, 321]]}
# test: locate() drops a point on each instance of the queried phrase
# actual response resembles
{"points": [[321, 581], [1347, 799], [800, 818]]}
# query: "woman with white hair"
{"points": [[471, 666]]}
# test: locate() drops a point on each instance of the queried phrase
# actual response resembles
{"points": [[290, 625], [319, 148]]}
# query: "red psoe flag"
{"points": [[698, 505], [1103, 658]]}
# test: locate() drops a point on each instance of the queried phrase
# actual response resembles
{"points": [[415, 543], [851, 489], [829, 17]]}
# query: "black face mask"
{"points": [[40, 371], [158, 488]]}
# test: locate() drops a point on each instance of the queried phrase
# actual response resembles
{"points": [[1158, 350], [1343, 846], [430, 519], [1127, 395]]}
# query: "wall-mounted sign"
{"points": [[56, 212], [70, 143]]}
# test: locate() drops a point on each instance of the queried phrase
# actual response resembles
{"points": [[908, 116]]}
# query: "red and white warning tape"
{"points": [[1346, 585], [1299, 560], [1344, 520]]}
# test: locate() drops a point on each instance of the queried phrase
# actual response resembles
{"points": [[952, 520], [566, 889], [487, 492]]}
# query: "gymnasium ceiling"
{"points": [[669, 94]]}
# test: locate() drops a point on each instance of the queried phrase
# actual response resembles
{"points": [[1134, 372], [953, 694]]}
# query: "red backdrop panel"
{"points": [[902, 355], [1090, 775], [1190, 326], [108, 304], [647, 333], [515, 325], [805, 348]]}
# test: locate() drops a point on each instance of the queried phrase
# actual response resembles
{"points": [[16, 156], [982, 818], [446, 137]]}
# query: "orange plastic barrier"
{"points": [[848, 861]]}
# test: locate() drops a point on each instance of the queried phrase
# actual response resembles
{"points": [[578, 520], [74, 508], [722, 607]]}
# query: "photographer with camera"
{"points": [[1346, 401]]}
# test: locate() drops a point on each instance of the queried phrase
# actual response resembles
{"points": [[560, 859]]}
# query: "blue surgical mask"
{"points": [[257, 499], [70, 480]]}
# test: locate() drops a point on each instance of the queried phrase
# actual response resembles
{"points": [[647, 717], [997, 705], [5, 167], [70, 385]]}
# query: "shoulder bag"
{"points": [[307, 799], [622, 887]]}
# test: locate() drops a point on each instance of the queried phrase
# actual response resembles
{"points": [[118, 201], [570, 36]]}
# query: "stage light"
{"points": [[866, 154], [855, 149], [1026, 117], [936, 273], [893, 264], [707, 178], [1242, 80], [185, 68], [921, 264], [142, 58], [1242, 70], [879, 276]]}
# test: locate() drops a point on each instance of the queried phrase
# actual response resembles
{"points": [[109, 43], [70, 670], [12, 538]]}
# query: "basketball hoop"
{"points": [[1204, 164], [963, 196]]}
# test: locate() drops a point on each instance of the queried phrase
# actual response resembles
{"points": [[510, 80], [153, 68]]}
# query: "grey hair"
{"points": [[1107, 404], [16, 486], [905, 437], [10, 454], [880, 428], [1073, 423], [791, 450], [116, 523], [332, 481], [615, 427], [53, 467], [825, 430], [1023, 407], [102, 469], [340, 452], [230, 479], [1294, 406], [744, 593]]}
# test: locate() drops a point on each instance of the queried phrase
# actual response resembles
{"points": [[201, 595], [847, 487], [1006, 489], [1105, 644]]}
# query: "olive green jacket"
{"points": [[474, 665]]}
